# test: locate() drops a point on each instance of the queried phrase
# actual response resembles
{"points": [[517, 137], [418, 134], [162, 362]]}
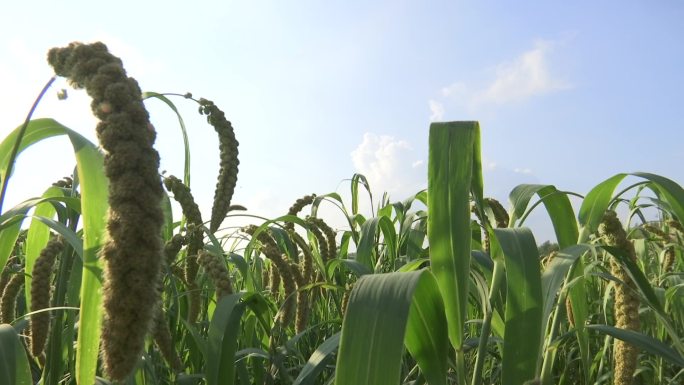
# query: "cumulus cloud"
{"points": [[390, 165], [516, 80], [526, 76], [436, 111]]}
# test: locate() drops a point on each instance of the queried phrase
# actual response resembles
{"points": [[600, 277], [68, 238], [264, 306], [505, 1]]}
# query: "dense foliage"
{"points": [[444, 287]]}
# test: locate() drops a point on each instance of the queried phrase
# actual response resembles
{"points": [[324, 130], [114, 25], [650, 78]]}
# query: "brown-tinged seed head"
{"points": [[40, 294], [9, 298], [132, 253]]}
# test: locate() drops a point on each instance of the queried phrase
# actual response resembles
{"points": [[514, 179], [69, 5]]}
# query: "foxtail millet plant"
{"points": [[298, 206], [626, 300], [6, 274], [194, 236], [40, 294], [216, 269], [9, 298], [228, 152], [133, 249], [289, 282], [329, 247], [164, 341], [500, 214]]}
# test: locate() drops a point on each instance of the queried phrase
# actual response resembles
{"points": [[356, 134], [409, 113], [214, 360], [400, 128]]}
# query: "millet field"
{"points": [[113, 275]]}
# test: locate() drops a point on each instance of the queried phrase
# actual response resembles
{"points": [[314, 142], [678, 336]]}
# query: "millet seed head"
{"points": [[132, 252]]}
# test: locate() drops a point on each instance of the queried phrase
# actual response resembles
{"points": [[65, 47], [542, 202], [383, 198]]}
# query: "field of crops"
{"points": [[105, 279]]}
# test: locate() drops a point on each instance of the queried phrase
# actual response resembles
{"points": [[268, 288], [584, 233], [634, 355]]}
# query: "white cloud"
{"points": [[522, 170], [526, 76], [389, 164], [513, 81], [436, 111]]}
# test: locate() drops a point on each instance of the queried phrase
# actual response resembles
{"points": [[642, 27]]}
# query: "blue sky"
{"points": [[567, 93]]}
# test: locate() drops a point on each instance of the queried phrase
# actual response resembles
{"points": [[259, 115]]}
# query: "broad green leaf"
{"points": [[14, 366], [367, 243], [94, 187], [557, 205], [524, 302], [646, 343], [599, 198], [384, 312], [555, 274], [318, 360], [595, 204], [452, 149], [224, 330]]}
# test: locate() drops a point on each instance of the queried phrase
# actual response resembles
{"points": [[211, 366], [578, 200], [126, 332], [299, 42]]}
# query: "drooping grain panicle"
{"points": [[216, 269], [183, 195], [173, 246], [289, 282], [322, 241], [228, 152], [330, 246], [297, 207], [64, 183], [306, 262], [9, 298], [40, 294], [11, 265], [267, 240], [194, 236], [500, 214], [626, 305], [133, 250], [164, 341]]}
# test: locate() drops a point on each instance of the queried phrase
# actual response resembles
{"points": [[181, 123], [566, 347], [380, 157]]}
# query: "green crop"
{"points": [[444, 287]]}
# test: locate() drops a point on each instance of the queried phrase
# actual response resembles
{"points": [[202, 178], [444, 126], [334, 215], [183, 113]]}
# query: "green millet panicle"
{"points": [[274, 280], [132, 253], [65, 183], [195, 235], [298, 206], [40, 294], [267, 240], [7, 272], [500, 214], [228, 151], [216, 269], [182, 195], [626, 300], [323, 248], [9, 298], [173, 247], [164, 341], [306, 262], [289, 284], [302, 311], [330, 244]]}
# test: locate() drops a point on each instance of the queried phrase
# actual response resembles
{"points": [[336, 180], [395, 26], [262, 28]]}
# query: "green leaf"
{"points": [[14, 366], [524, 301], [318, 360], [647, 343], [94, 187], [367, 244], [224, 330], [557, 205], [452, 149], [384, 311]]}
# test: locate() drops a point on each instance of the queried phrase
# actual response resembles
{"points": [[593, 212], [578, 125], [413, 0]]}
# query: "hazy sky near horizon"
{"points": [[567, 93]]}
